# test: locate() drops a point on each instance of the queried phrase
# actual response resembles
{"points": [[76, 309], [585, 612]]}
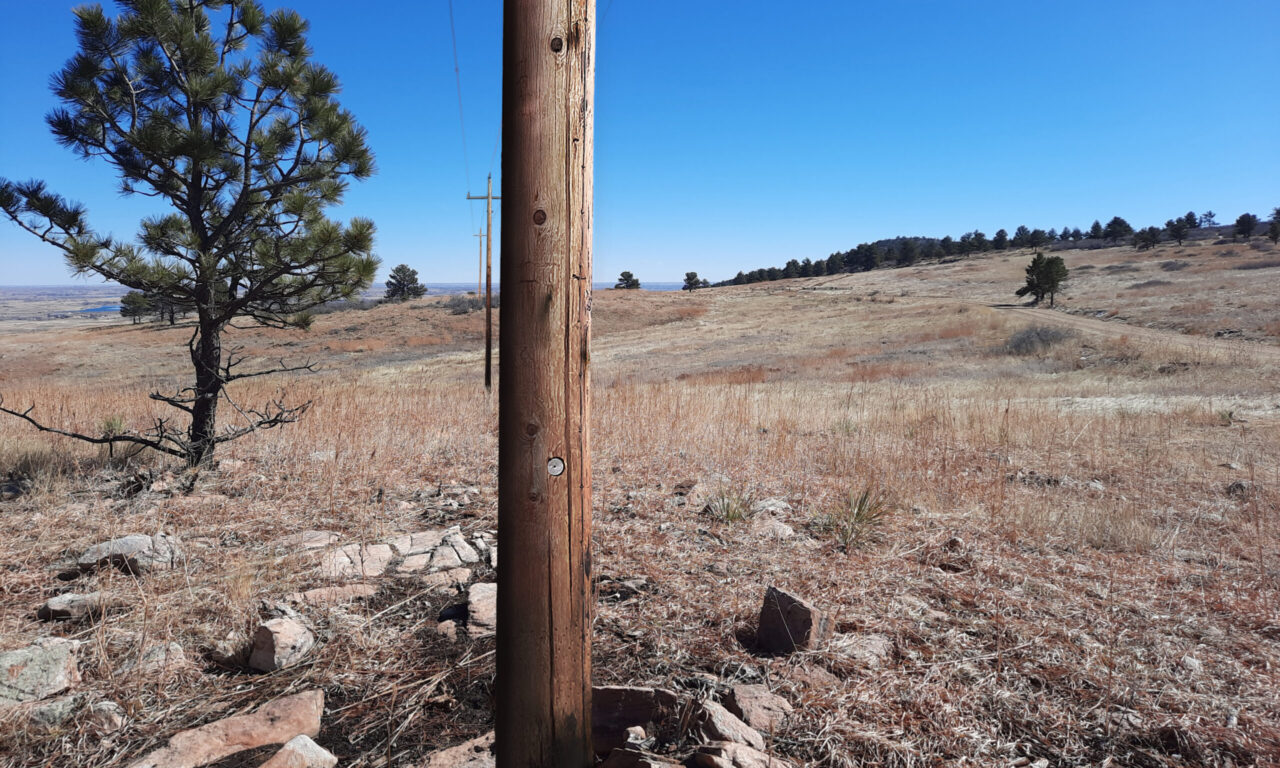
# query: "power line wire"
{"points": [[462, 123]]}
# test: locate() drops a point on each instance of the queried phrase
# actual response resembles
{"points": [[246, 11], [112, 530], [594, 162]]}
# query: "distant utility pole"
{"points": [[480, 264], [488, 282], [543, 695]]}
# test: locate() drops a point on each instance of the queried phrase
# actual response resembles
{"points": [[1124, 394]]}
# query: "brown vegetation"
{"points": [[1065, 569]]}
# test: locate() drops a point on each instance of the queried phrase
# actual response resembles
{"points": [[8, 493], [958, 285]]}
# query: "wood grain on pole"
{"points": [[544, 508]]}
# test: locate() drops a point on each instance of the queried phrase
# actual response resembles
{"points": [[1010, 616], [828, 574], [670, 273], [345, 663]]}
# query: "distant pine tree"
{"points": [[402, 284]]}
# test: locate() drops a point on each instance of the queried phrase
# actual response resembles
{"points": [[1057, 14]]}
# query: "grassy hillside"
{"points": [[1077, 559]]}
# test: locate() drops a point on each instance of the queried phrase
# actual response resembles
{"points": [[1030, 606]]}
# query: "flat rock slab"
{"points": [[45, 668], [280, 643], [788, 624], [454, 577], [72, 606], [482, 609], [158, 659], [355, 561], [136, 553], [418, 543], [301, 752], [871, 650], [306, 540], [715, 723], [757, 707], [274, 723], [726, 754], [323, 596], [477, 753]]}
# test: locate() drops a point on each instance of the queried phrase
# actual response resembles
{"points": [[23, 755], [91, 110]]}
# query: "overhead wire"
{"points": [[462, 122]]}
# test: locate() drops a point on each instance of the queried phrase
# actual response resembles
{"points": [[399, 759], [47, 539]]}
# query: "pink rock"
{"points": [[725, 754], [788, 624], [274, 723], [301, 752], [477, 753], [757, 707], [716, 723], [280, 643]]}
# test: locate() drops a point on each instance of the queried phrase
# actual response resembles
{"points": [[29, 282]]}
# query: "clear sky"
{"points": [[739, 135]]}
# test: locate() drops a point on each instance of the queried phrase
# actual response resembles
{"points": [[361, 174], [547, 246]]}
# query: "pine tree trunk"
{"points": [[206, 355]]}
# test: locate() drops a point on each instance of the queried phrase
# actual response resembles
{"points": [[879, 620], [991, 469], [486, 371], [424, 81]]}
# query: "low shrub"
{"points": [[1148, 284], [854, 521], [1173, 265], [1035, 340], [461, 305], [1264, 264]]}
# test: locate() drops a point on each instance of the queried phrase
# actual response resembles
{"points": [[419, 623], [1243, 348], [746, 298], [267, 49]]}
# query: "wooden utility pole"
{"points": [[480, 264], [488, 282], [544, 459]]}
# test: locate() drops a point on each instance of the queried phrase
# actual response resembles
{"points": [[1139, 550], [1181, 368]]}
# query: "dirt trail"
{"points": [[1137, 333]]}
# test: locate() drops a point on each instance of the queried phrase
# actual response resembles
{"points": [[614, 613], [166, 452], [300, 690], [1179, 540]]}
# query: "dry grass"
{"points": [[1064, 577]]}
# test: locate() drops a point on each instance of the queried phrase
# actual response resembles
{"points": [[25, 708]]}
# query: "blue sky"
{"points": [[739, 135]]}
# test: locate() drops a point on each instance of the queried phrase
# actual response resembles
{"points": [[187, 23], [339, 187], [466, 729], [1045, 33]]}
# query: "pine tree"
{"points": [[402, 284], [628, 281], [215, 109], [1117, 229], [692, 282], [1245, 226], [1177, 229], [1045, 276], [135, 305], [1096, 231], [1001, 240], [1273, 230]]}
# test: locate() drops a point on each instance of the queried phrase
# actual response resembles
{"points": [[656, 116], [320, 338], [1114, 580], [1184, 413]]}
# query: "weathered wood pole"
{"points": [[544, 460], [488, 286]]}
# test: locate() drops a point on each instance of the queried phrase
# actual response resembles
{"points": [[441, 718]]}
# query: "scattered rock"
{"points": [[726, 754], [772, 528], [629, 757], [301, 752], [136, 553], [418, 543], [870, 650], [158, 659], [1192, 664], [72, 606], [308, 540], [323, 596], [280, 643], [104, 716], [465, 552], [56, 712], [43, 669], [757, 707], [770, 506], [477, 753], [615, 708], [231, 651], [621, 589], [814, 677], [788, 623], [454, 577], [448, 630], [274, 723], [444, 557], [493, 557], [1240, 489], [356, 561], [715, 723], [684, 487], [482, 609]]}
